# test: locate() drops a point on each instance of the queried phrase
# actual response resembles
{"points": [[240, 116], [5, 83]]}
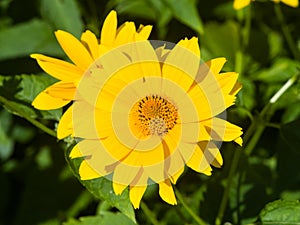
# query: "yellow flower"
{"points": [[142, 114], [82, 53], [292, 3], [239, 4]]}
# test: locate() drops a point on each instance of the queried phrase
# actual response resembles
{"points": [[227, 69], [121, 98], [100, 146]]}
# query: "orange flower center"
{"points": [[152, 115]]}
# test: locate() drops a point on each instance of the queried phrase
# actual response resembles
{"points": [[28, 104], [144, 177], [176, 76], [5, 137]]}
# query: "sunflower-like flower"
{"points": [[82, 53], [143, 113], [239, 4]]}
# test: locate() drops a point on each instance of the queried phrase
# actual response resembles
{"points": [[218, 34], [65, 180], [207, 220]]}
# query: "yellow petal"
{"points": [[175, 176], [166, 192], [216, 65], [144, 32], [44, 101], [125, 174], [65, 125], [135, 194], [97, 156], [86, 172], [198, 161], [162, 53], [210, 151], [75, 152], [227, 81], [83, 123], [210, 101], [181, 64], [207, 171], [125, 34], [236, 88], [91, 43], [118, 188], [58, 68], [292, 3], [109, 29], [221, 130], [62, 89], [239, 141], [239, 4], [74, 49]]}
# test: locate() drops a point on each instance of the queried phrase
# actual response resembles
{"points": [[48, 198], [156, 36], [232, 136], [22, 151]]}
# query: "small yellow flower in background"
{"points": [[292, 3], [82, 53], [142, 114], [239, 4]]}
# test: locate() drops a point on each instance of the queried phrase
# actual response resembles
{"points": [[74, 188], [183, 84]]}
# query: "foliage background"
{"points": [[37, 184]]}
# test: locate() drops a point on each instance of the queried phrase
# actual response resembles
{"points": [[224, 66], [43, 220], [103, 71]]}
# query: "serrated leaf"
{"points": [[104, 219], [64, 15], [186, 12], [281, 212], [102, 189], [20, 91], [26, 38]]}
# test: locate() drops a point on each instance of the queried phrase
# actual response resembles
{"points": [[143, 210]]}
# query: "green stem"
{"points": [[251, 138], [237, 154], [17, 111], [258, 125], [286, 32], [196, 218], [149, 214]]}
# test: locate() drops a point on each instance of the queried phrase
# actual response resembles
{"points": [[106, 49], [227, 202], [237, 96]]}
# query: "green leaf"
{"points": [[26, 38], [281, 212], [64, 15], [186, 12], [222, 40], [105, 219], [137, 8], [102, 189], [281, 70], [148, 9], [291, 113], [291, 134], [20, 91]]}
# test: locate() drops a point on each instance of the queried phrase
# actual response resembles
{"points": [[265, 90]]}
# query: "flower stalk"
{"points": [[259, 123], [196, 218], [34, 122]]}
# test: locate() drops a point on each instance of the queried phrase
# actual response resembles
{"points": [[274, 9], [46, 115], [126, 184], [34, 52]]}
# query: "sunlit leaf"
{"points": [[281, 212], [186, 12], [102, 189]]}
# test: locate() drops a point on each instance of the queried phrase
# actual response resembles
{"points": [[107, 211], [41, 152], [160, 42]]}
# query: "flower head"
{"points": [[82, 53], [143, 113], [239, 4]]}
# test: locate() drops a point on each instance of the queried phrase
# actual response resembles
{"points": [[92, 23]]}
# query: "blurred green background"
{"points": [[37, 185]]}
